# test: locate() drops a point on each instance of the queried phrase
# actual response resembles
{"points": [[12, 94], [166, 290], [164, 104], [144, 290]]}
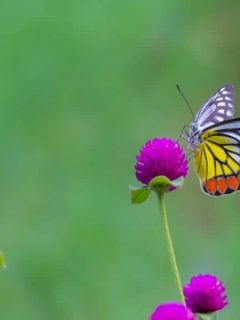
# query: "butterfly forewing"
{"points": [[219, 107]]}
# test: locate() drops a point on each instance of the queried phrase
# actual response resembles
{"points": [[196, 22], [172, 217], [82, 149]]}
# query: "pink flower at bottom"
{"points": [[171, 311], [205, 294]]}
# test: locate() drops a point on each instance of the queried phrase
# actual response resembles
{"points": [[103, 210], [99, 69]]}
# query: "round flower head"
{"points": [[205, 294], [160, 157], [171, 311]]}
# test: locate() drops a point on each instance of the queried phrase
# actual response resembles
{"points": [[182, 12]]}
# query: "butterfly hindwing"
{"points": [[217, 158], [219, 107]]}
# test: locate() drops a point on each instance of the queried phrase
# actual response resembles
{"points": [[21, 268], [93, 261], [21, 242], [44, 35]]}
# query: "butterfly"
{"points": [[214, 137]]}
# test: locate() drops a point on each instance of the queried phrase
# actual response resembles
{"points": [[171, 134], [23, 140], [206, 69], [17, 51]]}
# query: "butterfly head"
{"points": [[194, 135]]}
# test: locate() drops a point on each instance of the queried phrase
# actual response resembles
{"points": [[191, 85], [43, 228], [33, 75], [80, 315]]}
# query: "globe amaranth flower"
{"points": [[160, 157], [205, 294], [171, 311]]}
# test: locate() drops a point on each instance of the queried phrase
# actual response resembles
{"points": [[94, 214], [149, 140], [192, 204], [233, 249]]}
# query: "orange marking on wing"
{"points": [[232, 182], [211, 186], [221, 185], [238, 177]]}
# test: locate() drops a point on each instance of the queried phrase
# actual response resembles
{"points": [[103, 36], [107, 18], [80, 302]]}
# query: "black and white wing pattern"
{"points": [[219, 107]]}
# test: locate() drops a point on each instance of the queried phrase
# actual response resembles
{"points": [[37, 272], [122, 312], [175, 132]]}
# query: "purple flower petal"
{"points": [[160, 157], [205, 294]]}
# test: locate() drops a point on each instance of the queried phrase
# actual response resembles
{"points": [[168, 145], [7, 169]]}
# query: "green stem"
{"points": [[168, 239]]}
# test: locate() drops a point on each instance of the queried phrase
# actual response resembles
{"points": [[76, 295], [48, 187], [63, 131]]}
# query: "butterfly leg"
{"points": [[190, 155], [183, 134]]}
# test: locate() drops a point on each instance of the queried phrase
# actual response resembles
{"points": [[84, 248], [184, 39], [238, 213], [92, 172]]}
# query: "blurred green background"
{"points": [[83, 85]]}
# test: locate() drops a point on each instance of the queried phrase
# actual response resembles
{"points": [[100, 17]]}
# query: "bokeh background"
{"points": [[83, 85]]}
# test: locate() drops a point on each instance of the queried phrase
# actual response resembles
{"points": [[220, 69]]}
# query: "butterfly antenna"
{"points": [[185, 99]]}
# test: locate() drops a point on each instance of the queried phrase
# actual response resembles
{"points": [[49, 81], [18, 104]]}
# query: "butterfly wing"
{"points": [[219, 107], [217, 158]]}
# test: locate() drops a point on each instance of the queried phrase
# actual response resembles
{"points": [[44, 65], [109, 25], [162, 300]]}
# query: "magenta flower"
{"points": [[160, 157], [205, 294], [171, 311]]}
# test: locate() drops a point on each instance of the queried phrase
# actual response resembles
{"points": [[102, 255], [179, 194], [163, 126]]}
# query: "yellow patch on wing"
{"points": [[218, 169], [200, 162], [216, 156]]}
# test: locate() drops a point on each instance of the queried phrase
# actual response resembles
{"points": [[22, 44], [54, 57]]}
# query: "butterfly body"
{"points": [[194, 135], [214, 137]]}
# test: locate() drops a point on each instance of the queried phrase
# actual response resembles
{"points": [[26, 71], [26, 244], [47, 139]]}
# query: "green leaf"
{"points": [[2, 261], [139, 195], [162, 183]]}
